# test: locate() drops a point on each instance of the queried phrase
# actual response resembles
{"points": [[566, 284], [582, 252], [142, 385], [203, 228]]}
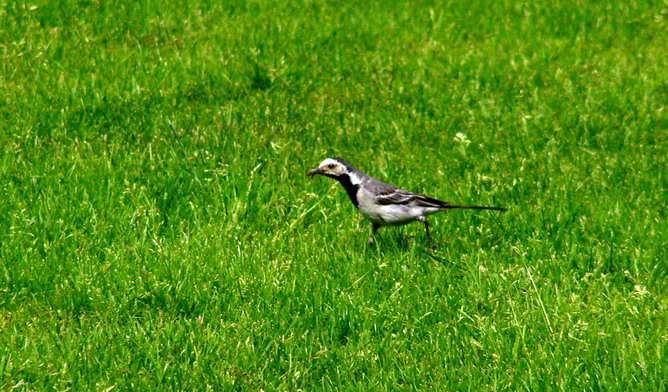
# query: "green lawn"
{"points": [[130, 263]]}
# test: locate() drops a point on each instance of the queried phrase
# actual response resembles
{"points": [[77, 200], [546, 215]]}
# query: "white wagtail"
{"points": [[381, 203]]}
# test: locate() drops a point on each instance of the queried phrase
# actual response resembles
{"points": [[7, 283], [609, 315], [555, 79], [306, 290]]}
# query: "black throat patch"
{"points": [[351, 189]]}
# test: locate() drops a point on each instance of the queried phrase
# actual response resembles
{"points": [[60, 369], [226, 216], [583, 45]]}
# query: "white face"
{"points": [[331, 167]]}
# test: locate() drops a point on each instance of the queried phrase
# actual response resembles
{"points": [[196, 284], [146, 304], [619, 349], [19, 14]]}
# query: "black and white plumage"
{"points": [[381, 203]]}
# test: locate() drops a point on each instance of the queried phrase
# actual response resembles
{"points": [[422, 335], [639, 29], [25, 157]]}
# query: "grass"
{"points": [[119, 270]]}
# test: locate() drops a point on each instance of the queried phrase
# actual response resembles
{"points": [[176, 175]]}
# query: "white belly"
{"points": [[391, 215]]}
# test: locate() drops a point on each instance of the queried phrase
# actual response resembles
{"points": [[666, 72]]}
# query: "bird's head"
{"points": [[331, 167]]}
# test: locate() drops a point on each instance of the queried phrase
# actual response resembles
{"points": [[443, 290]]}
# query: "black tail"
{"points": [[425, 201], [473, 208]]}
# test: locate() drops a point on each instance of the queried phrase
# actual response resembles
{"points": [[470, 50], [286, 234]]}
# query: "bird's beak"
{"points": [[314, 172]]}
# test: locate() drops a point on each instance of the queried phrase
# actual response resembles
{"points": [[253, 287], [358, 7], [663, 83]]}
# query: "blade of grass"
{"points": [[183, 150], [539, 299]]}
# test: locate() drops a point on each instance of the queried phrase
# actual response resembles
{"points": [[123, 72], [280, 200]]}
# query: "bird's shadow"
{"points": [[400, 242], [394, 248]]}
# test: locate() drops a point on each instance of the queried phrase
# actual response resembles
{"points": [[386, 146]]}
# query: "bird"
{"points": [[384, 204]]}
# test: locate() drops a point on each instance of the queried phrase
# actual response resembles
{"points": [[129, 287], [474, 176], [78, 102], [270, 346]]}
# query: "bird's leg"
{"points": [[374, 229], [426, 227]]}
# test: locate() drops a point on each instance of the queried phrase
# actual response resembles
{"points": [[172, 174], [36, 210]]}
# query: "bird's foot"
{"points": [[435, 246]]}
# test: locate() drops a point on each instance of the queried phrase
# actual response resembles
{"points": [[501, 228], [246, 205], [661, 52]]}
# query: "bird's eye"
{"points": [[331, 166]]}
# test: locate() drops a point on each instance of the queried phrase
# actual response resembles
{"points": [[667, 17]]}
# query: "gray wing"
{"points": [[388, 195]]}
